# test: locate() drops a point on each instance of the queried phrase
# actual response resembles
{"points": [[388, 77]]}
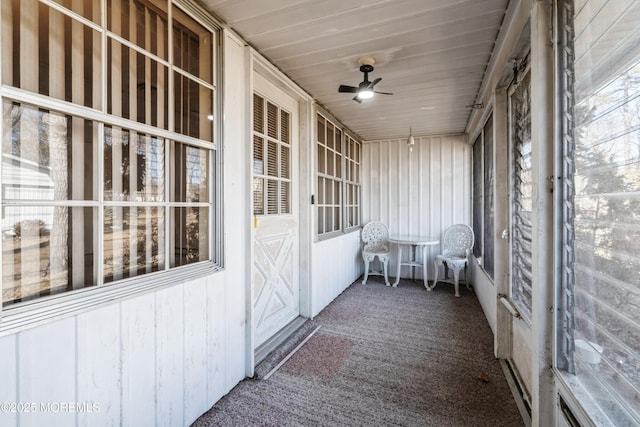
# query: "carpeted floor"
{"points": [[383, 357]]}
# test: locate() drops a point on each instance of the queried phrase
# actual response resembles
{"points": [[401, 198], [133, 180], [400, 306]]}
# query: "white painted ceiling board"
{"points": [[432, 54]]}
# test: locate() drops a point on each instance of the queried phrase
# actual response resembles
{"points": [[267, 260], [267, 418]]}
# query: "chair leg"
{"points": [[456, 276], [385, 262], [366, 270]]}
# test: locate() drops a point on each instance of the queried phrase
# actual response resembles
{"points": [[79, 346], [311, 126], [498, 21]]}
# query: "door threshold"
{"points": [[264, 349]]}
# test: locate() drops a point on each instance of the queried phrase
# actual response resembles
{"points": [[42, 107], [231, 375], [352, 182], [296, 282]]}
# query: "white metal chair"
{"points": [[456, 250], [375, 236]]}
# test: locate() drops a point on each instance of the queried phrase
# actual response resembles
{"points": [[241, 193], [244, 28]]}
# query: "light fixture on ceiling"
{"points": [[365, 89], [410, 141], [365, 93]]}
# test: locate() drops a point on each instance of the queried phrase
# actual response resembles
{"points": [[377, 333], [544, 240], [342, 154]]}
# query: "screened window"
{"points": [[338, 175], [600, 337], [352, 182], [117, 181], [488, 181], [330, 176], [483, 199], [477, 196]]}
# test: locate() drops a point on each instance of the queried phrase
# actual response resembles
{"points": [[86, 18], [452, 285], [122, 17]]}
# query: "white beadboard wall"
{"points": [[421, 192], [163, 356], [337, 263]]}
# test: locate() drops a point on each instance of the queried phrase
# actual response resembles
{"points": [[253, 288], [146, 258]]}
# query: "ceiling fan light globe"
{"points": [[365, 94]]}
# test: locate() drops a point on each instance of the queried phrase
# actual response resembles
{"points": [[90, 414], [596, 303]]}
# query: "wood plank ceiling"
{"points": [[432, 54]]}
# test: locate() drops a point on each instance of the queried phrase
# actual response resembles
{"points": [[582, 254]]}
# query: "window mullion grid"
{"points": [[65, 107], [102, 120], [101, 206], [169, 146], [351, 185], [75, 16], [169, 172], [99, 231], [213, 203]]}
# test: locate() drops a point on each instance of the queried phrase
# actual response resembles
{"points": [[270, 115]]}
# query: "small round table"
{"points": [[413, 242]]}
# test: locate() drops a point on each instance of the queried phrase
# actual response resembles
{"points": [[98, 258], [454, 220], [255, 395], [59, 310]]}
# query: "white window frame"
{"points": [[480, 238], [357, 184], [343, 208], [23, 315]]}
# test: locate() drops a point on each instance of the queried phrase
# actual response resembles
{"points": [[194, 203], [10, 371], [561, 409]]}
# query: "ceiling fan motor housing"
{"points": [[366, 68]]}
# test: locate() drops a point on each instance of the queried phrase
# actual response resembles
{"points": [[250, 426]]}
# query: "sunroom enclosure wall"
{"points": [[163, 350], [420, 192], [164, 353]]}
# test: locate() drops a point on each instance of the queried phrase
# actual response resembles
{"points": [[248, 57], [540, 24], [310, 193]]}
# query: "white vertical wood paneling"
{"points": [[169, 356], [195, 343], [8, 378], [393, 169], [99, 366], [47, 372], [420, 192], [434, 185], [137, 323], [160, 359], [343, 254], [235, 319], [216, 341]]}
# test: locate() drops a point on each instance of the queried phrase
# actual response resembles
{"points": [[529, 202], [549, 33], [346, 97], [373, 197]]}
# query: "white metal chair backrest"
{"points": [[375, 236], [458, 241]]}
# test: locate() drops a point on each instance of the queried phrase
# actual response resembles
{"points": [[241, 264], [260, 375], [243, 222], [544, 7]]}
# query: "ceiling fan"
{"points": [[365, 89]]}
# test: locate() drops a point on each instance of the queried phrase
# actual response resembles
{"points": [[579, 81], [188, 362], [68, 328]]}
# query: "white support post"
{"points": [[542, 135]]}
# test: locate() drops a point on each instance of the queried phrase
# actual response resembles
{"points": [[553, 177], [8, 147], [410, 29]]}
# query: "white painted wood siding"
{"points": [[162, 358], [159, 359], [337, 263], [421, 192]]}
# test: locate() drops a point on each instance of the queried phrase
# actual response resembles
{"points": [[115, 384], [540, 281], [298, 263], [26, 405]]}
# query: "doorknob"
{"points": [[505, 234]]}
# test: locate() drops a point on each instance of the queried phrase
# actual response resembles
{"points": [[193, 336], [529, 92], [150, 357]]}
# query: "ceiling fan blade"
{"points": [[382, 93], [347, 89], [375, 82], [358, 100]]}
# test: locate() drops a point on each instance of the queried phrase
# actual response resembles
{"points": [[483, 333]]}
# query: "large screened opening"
{"points": [[108, 150], [601, 159]]}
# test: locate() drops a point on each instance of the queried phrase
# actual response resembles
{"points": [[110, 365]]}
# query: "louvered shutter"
{"points": [[521, 202], [271, 158]]}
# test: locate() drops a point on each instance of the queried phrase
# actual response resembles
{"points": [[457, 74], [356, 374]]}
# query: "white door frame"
{"points": [[258, 64]]}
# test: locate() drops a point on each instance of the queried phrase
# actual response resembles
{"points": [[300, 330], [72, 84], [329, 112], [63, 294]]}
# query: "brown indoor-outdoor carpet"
{"points": [[383, 357]]}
